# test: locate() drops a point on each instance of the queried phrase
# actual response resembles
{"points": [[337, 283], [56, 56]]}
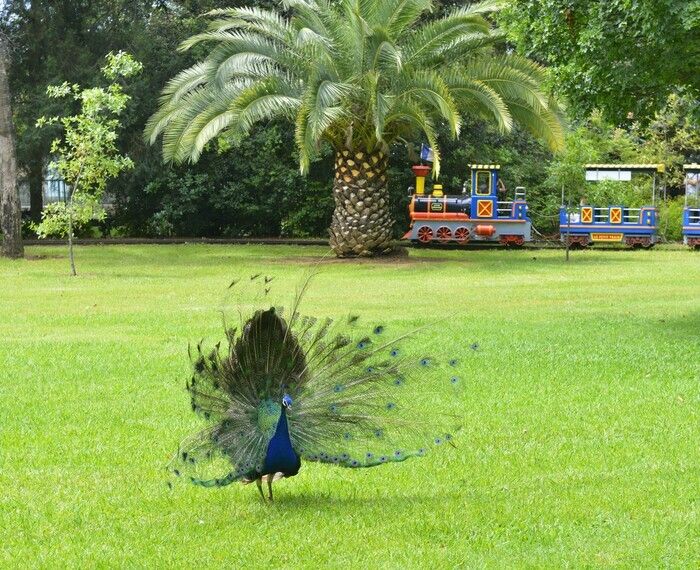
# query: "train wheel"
{"points": [[425, 234], [512, 241], [638, 242], [444, 233], [578, 242], [462, 235]]}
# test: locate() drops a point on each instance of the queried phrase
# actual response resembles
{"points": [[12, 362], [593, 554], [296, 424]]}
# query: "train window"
{"points": [[483, 183], [692, 185]]}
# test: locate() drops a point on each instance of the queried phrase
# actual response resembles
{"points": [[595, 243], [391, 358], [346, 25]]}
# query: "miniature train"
{"points": [[477, 215], [691, 210], [635, 227]]}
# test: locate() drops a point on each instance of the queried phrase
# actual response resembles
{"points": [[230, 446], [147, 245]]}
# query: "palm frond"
{"points": [[388, 58], [399, 15], [431, 90], [187, 80], [350, 72], [475, 97], [182, 129], [250, 65], [406, 114], [480, 8], [545, 124], [326, 109], [435, 36], [264, 22], [509, 83]]}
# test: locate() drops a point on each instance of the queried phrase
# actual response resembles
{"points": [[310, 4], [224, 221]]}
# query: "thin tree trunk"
{"points": [[10, 208], [36, 188], [69, 206], [362, 224]]}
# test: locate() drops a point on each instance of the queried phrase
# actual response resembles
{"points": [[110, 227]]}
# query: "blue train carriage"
{"points": [[634, 227], [691, 210], [476, 215]]}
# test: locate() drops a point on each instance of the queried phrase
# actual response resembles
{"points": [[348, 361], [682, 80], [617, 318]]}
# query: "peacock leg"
{"points": [[269, 485], [258, 482]]}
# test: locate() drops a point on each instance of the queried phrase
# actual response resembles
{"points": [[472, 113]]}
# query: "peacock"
{"points": [[287, 387]]}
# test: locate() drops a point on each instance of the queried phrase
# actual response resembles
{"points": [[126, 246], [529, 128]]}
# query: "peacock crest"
{"points": [[285, 387]]}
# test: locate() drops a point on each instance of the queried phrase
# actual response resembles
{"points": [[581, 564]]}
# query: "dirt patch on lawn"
{"points": [[398, 260], [42, 257]]}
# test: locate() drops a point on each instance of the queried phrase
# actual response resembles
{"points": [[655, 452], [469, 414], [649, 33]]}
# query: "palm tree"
{"points": [[357, 75]]}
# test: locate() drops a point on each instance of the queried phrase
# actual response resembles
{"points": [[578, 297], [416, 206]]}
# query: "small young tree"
{"points": [[87, 154]]}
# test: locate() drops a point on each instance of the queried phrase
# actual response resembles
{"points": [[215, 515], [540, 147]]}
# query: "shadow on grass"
{"points": [[685, 326], [290, 501]]}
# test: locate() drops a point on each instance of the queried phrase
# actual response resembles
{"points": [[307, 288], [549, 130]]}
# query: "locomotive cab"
{"points": [[484, 196], [484, 190]]}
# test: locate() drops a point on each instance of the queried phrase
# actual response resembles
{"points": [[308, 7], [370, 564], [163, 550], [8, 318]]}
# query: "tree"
{"points": [[354, 75], [10, 209], [621, 57], [55, 41], [87, 153]]}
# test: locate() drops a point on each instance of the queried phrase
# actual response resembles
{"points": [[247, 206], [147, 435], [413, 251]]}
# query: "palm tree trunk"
{"points": [[362, 224], [10, 208]]}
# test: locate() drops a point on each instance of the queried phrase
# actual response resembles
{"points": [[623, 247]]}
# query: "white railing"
{"points": [[631, 215], [694, 216], [505, 207]]}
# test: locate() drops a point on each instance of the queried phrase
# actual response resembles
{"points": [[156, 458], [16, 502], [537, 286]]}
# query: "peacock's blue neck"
{"points": [[281, 456]]}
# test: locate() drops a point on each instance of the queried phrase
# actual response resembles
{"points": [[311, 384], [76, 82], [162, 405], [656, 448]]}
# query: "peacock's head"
{"points": [[287, 401]]}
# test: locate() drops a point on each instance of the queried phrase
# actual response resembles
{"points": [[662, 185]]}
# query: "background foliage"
{"points": [[600, 74], [622, 56]]}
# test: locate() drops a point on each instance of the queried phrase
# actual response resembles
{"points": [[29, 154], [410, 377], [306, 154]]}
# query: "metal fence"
{"points": [[54, 190]]}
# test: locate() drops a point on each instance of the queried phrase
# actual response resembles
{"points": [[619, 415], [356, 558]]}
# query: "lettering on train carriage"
{"points": [[606, 237]]}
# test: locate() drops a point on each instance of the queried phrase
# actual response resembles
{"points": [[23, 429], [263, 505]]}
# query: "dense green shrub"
{"points": [[671, 219]]}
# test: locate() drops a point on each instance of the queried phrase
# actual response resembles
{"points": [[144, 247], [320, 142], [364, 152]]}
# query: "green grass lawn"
{"points": [[581, 443]]}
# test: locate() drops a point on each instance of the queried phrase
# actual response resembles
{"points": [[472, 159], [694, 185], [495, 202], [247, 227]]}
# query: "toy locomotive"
{"points": [[477, 215], [691, 210], [635, 227]]}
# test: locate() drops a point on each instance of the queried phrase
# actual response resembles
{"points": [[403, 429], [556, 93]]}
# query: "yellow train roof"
{"points": [[485, 166], [632, 167]]}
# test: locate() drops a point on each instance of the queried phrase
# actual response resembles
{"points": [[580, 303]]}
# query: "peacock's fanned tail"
{"points": [[361, 397]]}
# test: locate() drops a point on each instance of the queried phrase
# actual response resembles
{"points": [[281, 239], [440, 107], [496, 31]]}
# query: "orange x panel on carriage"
{"points": [[484, 208], [615, 215], [587, 215]]}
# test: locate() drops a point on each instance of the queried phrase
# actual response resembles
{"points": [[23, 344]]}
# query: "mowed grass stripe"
{"points": [[581, 424]]}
